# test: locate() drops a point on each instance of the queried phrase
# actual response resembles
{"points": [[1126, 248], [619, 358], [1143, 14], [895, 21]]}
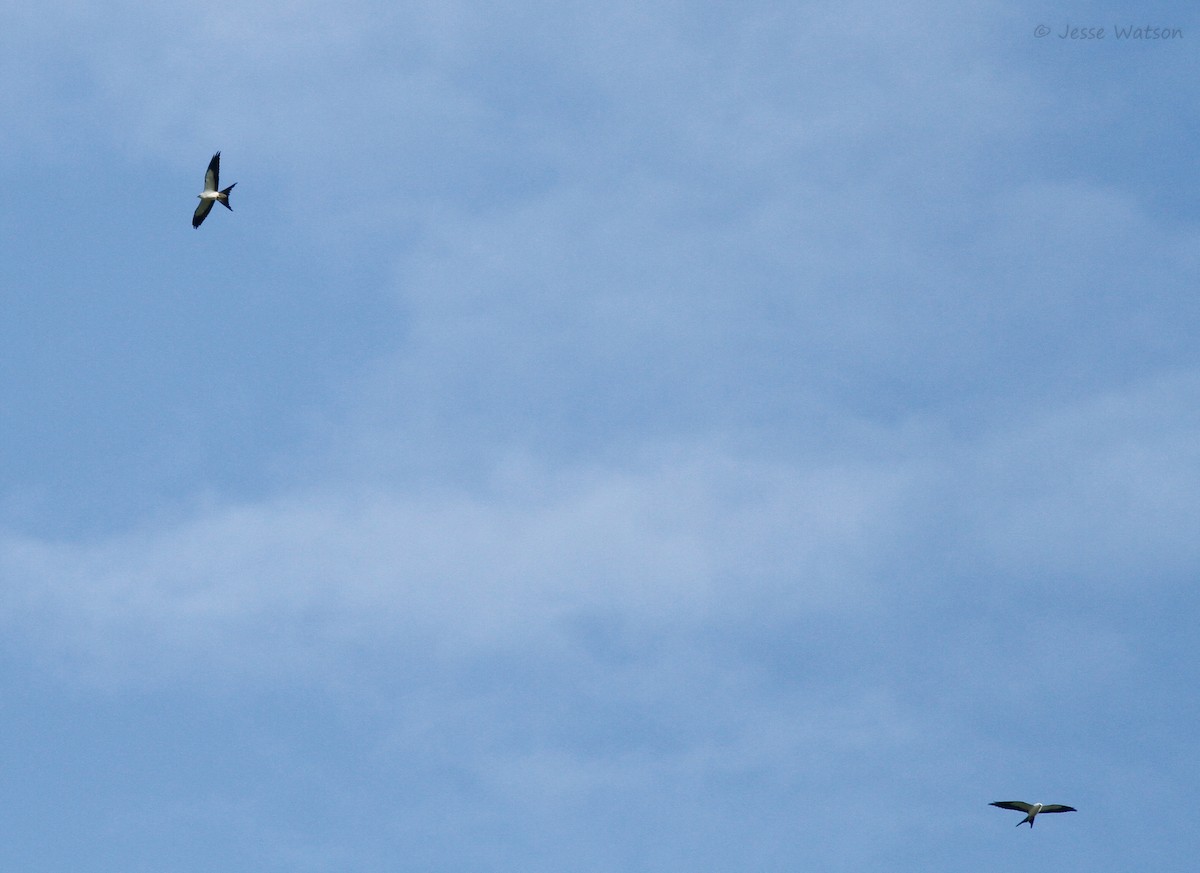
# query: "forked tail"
{"points": [[225, 196]]}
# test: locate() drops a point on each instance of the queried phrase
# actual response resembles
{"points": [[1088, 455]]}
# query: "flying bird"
{"points": [[1031, 810], [210, 194]]}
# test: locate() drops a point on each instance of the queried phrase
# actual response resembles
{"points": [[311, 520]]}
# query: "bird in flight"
{"points": [[1031, 810], [210, 194]]}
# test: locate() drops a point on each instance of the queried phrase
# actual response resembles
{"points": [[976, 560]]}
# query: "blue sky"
{"points": [[601, 438]]}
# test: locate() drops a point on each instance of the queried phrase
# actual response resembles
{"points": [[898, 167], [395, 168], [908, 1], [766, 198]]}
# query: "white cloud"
{"points": [[687, 541], [681, 543], [1095, 492]]}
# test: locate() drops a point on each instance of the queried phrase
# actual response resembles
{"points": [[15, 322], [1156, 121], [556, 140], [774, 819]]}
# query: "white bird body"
{"points": [[1031, 810]]}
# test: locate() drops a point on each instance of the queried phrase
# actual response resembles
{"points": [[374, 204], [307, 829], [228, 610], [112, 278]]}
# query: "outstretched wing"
{"points": [[213, 174], [201, 212], [1018, 805], [1057, 807]]}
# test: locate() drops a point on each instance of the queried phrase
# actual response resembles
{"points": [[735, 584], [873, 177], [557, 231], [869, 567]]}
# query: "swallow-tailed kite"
{"points": [[210, 194], [1031, 810]]}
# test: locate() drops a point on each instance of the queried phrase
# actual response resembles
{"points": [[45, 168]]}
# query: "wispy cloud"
{"points": [[672, 545]]}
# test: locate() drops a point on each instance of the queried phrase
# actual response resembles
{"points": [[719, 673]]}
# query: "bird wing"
{"points": [[1057, 807], [213, 174], [201, 212], [1018, 805]]}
